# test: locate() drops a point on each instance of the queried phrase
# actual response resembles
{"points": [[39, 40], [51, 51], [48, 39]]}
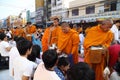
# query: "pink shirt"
{"points": [[42, 73]]}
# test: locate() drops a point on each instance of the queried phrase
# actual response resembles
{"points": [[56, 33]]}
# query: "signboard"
{"points": [[39, 3], [39, 14]]}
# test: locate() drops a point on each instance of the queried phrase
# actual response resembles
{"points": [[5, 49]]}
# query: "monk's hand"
{"points": [[106, 73]]}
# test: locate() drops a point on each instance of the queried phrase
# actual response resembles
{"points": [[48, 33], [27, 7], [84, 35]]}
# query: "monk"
{"points": [[68, 41], [30, 29], [21, 32], [75, 27], [50, 35], [16, 31], [98, 35]]}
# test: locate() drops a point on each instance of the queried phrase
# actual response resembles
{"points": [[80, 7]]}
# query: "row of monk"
{"points": [[66, 41]]}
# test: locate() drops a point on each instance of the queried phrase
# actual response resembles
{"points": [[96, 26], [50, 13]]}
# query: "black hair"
{"points": [[35, 53], [117, 68], [2, 36], [63, 61], [23, 46], [49, 58], [80, 71], [117, 21], [28, 23], [56, 19], [16, 38]]}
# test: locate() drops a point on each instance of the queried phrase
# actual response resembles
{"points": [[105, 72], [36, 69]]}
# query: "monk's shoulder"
{"points": [[59, 27], [74, 33]]}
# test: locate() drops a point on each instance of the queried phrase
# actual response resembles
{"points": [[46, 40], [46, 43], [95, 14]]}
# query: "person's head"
{"points": [[17, 39], [35, 53], [24, 47], [50, 58], [75, 26], [106, 25], [115, 42], [65, 27], [56, 22], [3, 37], [63, 63], [117, 68], [117, 23], [29, 23], [80, 71]]}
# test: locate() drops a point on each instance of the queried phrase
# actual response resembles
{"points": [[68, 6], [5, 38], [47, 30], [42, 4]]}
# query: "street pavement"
{"points": [[4, 75]]}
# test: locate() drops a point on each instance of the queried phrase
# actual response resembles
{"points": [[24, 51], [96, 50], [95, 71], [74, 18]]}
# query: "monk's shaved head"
{"points": [[65, 24], [106, 25], [107, 21], [65, 27]]}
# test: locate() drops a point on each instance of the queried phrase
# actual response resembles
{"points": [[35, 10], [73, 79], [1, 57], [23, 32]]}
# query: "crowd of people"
{"points": [[54, 54]]}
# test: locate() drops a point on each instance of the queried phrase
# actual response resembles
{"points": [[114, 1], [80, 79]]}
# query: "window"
{"points": [[110, 6], [54, 3], [75, 12], [90, 9], [113, 6], [107, 7]]}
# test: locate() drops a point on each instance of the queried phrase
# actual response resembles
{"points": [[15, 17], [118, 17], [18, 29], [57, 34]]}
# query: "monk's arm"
{"points": [[75, 43], [108, 42], [44, 40]]}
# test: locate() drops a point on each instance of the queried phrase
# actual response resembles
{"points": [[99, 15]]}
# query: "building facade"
{"points": [[60, 8], [39, 9], [92, 10]]}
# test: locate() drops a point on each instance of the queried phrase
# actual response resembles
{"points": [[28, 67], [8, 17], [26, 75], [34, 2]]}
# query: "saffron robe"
{"points": [[68, 43], [29, 31], [50, 37], [95, 36]]}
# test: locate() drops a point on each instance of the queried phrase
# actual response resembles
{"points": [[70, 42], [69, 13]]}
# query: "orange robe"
{"points": [[50, 37], [22, 32], [29, 31], [95, 36], [68, 43], [16, 32], [74, 28]]}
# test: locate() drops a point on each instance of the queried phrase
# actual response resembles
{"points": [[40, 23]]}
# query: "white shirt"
{"points": [[38, 61], [22, 66], [114, 29], [114, 76], [12, 43], [42, 74], [12, 55], [3, 46], [81, 37], [9, 35]]}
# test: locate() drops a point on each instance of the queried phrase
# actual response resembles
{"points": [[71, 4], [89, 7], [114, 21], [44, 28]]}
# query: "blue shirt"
{"points": [[36, 41], [59, 73]]}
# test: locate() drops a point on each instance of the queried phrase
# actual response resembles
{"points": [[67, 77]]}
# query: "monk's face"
{"points": [[55, 22], [106, 27], [29, 25], [65, 29]]}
